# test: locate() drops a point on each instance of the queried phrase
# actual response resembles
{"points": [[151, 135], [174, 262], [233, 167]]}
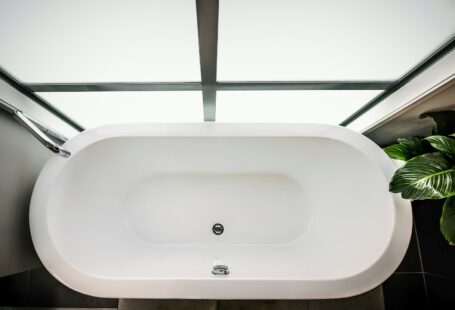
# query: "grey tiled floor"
{"points": [[263, 305], [165, 304], [51, 308], [38, 289], [372, 300]]}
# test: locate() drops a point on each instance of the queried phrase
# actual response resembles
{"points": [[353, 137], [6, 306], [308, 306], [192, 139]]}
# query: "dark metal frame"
{"points": [[207, 25], [196, 86], [422, 66], [8, 78], [102, 87], [304, 85], [207, 22]]}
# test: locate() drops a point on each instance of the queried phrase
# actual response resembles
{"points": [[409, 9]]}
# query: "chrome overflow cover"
{"points": [[220, 270]]}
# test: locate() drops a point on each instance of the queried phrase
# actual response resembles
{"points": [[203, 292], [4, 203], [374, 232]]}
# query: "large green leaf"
{"points": [[447, 222], [444, 120], [406, 148], [442, 143], [428, 176], [398, 151]]}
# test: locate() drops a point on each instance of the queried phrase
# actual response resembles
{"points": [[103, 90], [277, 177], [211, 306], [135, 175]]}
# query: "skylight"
{"points": [[330, 107], [103, 62], [51, 41], [329, 40], [92, 109]]}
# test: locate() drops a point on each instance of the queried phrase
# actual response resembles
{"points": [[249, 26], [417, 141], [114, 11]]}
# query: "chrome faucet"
{"points": [[34, 129], [40, 135]]}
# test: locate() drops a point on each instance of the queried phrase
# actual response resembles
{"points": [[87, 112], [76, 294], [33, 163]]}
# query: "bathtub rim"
{"points": [[292, 288]]}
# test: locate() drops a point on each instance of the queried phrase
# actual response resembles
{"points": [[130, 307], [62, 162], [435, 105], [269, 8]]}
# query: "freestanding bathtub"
{"points": [[150, 211]]}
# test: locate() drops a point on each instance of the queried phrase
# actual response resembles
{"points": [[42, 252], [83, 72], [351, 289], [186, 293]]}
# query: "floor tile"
{"points": [[440, 292], [411, 261], [46, 291], [262, 305], [372, 300], [166, 304], [13, 289], [438, 256], [51, 308], [405, 291]]}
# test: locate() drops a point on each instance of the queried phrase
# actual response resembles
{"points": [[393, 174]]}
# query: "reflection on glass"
{"points": [[329, 107], [93, 109]]}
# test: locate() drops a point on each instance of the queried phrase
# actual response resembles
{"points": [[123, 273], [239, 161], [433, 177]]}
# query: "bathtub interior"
{"points": [[144, 207]]}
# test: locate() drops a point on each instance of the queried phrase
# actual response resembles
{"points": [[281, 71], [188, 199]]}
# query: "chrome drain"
{"points": [[218, 229]]}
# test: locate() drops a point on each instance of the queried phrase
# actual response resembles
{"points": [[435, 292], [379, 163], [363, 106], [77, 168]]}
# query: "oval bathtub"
{"points": [[304, 210]]}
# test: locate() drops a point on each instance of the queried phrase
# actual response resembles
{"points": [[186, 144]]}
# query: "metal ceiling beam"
{"points": [[196, 86], [422, 66], [8, 78], [207, 24], [305, 85], [117, 86]]}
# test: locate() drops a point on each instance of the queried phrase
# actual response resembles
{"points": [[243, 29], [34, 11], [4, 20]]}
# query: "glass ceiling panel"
{"points": [[329, 39], [99, 41], [93, 109], [319, 106]]}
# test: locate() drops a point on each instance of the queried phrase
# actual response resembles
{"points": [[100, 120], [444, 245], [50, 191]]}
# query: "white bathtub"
{"points": [[305, 209]]}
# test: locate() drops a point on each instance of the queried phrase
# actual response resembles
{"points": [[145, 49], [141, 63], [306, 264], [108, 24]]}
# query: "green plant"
{"points": [[429, 169]]}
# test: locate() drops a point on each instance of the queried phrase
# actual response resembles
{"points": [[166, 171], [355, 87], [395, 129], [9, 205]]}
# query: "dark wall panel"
{"points": [[21, 159]]}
